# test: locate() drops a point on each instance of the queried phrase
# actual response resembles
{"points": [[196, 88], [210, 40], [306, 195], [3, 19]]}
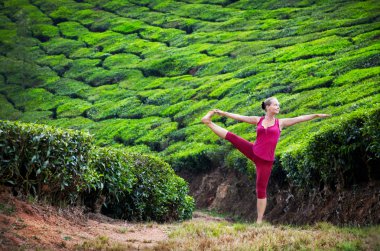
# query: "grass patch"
{"points": [[102, 243], [201, 235]]}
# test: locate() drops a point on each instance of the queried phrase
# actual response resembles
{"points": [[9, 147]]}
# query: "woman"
{"points": [[261, 152]]}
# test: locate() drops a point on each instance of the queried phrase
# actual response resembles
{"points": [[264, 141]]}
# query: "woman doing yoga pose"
{"points": [[262, 151]]}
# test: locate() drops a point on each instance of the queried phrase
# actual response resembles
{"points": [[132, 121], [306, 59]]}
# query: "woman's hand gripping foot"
{"points": [[207, 118]]}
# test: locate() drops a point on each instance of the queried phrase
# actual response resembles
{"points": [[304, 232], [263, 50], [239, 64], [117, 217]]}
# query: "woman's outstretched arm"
{"points": [[291, 121], [248, 119]]}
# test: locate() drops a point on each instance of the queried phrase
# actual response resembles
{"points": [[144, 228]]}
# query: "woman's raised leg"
{"points": [[220, 131]]}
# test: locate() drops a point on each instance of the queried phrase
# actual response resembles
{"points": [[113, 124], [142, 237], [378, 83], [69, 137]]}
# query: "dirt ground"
{"points": [[31, 226]]}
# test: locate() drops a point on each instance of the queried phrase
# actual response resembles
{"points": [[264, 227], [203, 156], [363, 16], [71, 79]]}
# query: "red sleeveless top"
{"points": [[266, 140]]}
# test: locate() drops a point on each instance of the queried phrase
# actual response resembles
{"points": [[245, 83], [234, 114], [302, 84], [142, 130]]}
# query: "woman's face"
{"points": [[274, 107]]}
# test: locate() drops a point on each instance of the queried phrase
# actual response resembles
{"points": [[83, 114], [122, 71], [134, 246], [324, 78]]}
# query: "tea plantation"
{"points": [[140, 74]]}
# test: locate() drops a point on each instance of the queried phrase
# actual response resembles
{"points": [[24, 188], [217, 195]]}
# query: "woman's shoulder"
{"points": [[261, 118]]}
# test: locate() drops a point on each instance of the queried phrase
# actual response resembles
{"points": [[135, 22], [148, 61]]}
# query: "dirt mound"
{"points": [[229, 191], [30, 226]]}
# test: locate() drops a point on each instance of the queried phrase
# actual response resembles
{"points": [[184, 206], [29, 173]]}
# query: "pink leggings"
{"points": [[263, 167]]}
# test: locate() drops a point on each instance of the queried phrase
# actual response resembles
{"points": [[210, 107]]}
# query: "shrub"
{"points": [[195, 156], [36, 116], [130, 26], [56, 46], [72, 30], [7, 38], [236, 160], [121, 61], [44, 161], [157, 194], [338, 156], [130, 107], [81, 68], [34, 99], [112, 175], [320, 47], [24, 73], [174, 65], [224, 88], [157, 136], [68, 87], [161, 35], [107, 93], [357, 75], [166, 96], [7, 110], [91, 53], [44, 32], [363, 58], [64, 167], [72, 108], [58, 63]]}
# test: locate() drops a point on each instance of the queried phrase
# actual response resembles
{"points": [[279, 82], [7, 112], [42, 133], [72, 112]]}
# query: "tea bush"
{"points": [[64, 167], [155, 193], [331, 157], [44, 161], [56, 46]]}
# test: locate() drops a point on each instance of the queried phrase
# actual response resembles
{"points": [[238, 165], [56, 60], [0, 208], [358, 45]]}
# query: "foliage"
{"points": [[44, 161], [338, 156], [140, 75], [158, 194], [64, 167]]}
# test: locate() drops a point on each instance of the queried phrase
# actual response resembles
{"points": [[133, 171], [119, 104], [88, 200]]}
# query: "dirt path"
{"points": [[27, 226]]}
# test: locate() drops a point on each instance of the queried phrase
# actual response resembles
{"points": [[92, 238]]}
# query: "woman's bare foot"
{"points": [[207, 119]]}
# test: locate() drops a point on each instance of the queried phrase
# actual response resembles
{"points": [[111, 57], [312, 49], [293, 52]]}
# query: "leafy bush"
{"points": [[338, 156], [44, 161], [44, 32], [58, 63], [155, 193], [34, 99], [72, 108], [111, 175], [192, 156], [65, 167], [68, 87], [357, 75], [72, 30], [7, 110], [64, 46]]}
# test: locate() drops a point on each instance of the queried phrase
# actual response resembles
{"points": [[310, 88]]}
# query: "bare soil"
{"points": [[29, 226], [34, 226]]}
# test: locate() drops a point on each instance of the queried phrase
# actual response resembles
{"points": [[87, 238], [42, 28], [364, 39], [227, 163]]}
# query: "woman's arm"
{"points": [[291, 121], [248, 119]]}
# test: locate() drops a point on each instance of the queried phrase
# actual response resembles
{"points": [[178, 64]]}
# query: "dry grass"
{"points": [[201, 235], [102, 243]]}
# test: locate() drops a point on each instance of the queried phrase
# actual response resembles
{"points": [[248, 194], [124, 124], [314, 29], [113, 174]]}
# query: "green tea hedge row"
{"points": [[64, 167], [44, 161], [147, 190], [340, 155]]}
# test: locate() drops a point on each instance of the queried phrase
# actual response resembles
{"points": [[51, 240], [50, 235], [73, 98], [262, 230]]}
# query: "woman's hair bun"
{"points": [[263, 105]]}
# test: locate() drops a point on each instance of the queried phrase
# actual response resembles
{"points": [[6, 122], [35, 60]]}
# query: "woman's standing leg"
{"points": [[220, 131], [261, 205], [263, 171]]}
